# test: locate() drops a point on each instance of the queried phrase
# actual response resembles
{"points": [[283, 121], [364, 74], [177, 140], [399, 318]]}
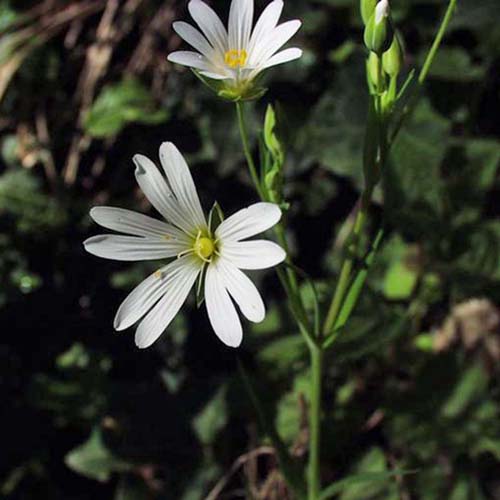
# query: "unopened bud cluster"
{"points": [[386, 53]]}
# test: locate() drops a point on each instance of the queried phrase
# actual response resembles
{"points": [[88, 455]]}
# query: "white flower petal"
{"points": [[132, 248], [242, 290], [253, 255], [249, 222], [192, 36], [190, 59], [154, 186], [146, 295], [182, 184], [134, 223], [221, 310], [216, 76], [240, 24], [210, 24], [177, 289], [283, 57], [271, 43], [266, 23]]}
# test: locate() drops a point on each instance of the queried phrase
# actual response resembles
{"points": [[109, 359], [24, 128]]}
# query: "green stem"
{"points": [[437, 42], [424, 72], [287, 466], [289, 277], [246, 149], [314, 472], [347, 266]]}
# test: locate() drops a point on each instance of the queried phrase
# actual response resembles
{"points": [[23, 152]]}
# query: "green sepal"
{"points": [[393, 59], [249, 91], [378, 36], [215, 217], [214, 85], [367, 8], [372, 73], [200, 287]]}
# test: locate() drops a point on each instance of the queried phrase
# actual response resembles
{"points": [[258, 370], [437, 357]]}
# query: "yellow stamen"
{"points": [[204, 248], [235, 58], [159, 274]]}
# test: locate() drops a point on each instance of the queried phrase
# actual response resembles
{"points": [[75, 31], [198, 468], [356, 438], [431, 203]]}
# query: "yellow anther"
{"points": [[204, 248], [234, 58], [158, 274]]}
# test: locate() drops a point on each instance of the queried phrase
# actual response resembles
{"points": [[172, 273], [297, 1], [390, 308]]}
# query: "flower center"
{"points": [[235, 58], [204, 248]]}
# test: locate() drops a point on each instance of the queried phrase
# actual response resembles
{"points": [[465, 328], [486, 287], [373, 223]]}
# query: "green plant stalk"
{"points": [[289, 282], [246, 149], [437, 42], [288, 278], [314, 466], [424, 72], [347, 266], [287, 466]]}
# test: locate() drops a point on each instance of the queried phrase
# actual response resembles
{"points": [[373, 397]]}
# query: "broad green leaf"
{"points": [[335, 132], [120, 104], [455, 64], [289, 411], [212, 418], [362, 483], [22, 197], [400, 281], [94, 460]]}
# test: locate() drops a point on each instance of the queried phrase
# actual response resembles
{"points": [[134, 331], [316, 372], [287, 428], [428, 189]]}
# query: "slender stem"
{"points": [[287, 465], [246, 149], [314, 482], [437, 42], [289, 277], [424, 72], [280, 234], [347, 266]]}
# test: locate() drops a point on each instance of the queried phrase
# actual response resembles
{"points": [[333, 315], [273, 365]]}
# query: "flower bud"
{"points": [[378, 31], [393, 59], [367, 8], [372, 69]]}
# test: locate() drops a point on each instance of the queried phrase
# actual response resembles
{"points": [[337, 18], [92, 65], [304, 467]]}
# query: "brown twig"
{"points": [[238, 463], [43, 136]]}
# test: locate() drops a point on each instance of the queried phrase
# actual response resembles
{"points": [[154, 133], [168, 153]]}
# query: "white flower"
{"points": [[381, 11], [221, 254], [238, 54]]}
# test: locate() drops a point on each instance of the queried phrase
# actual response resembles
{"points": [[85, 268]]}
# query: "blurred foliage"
{"points": [[412, 384]]}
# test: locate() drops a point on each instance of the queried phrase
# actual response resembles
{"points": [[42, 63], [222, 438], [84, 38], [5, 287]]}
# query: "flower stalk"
{"points": [[229, 62]]}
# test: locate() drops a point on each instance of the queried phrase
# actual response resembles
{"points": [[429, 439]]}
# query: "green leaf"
{"points": [[120, 104], [400, 281], [454, 64], [290, 411], [360, 482], [212, 418], [335, 131], [358, 283], [470, 387], [94, 460], [22, 196]]}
